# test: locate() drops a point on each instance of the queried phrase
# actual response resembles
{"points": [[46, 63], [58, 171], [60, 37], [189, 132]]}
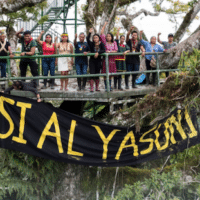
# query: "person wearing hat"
{"points": [[28, 49], [167, 45], [4, 50]]}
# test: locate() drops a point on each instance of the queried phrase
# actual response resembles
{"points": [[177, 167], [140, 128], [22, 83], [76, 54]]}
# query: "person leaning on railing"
{"points": [[133, 61], [64, 63], [150, 59], [120, 60], [28, 49], [21, 85], [111, 47], [81, 62], [4, 49], [48, 64], [167, 45], [95, 63]]}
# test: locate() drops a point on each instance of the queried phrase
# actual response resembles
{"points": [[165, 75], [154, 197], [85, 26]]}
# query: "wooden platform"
{"points": [[102, 96]]}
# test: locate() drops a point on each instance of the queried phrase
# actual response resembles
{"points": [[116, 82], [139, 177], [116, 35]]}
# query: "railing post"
{"points": [[107, 73], [9, 71], [158, 69]]}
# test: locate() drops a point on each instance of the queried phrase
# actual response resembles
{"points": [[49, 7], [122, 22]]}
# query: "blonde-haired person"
{"points": [[64, 63]]}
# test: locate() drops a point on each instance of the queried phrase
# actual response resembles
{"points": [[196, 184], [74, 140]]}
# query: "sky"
{"points": [[149, 24]]}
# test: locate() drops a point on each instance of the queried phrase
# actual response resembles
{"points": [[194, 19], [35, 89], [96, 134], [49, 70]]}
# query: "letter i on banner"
{"points": [[23, 106]]}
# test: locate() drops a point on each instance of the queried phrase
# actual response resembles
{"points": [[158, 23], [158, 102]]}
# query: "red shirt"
{"points": [[48, 50]]}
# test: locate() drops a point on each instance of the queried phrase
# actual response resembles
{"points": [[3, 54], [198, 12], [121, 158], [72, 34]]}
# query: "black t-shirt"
{"points": [[3, 52], [133, 59]]}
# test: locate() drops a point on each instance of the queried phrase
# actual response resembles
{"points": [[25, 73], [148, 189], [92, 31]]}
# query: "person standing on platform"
{"points": [[95, 63], [4, 50], [133, 61], [167, 45], [111, 47], [48, 64], [150, 47], [81, 62], [120, 60], [28, 49], [64, 63]]}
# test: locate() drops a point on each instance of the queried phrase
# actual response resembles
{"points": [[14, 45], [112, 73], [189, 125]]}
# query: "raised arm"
{"points": [[18, 34], [103, 28], [129, 32], [159, 38], [88, 37], [75, 40], [117, 35], [141, 32], [39, 38]]}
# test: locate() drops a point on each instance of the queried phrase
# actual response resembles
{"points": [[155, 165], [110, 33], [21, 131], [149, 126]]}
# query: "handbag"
{"points": [[153, 61]]}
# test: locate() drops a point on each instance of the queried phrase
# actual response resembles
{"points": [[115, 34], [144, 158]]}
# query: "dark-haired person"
{"points": [[133, 61], [95, 63], [111, 47], [167, 45], [64, 63], [48, 64], [81, 62], [26, 86], [28, 49], [120, 60], [4, 50], [150, 47]]}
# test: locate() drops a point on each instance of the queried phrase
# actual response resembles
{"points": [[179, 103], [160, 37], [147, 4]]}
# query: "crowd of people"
{"points": [[98, 44]]}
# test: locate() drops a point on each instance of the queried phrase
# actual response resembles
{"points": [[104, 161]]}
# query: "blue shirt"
{"points": [[148, 48], [80, 48]]}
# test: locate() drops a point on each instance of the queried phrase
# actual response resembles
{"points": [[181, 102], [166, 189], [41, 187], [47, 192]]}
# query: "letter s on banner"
{"points": [[7, 116]]}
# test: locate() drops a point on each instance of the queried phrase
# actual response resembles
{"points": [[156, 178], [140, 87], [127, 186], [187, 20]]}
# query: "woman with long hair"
{"points": [[64, 63], [95, 63], [120, 60], [48, 64], [111, 47]]}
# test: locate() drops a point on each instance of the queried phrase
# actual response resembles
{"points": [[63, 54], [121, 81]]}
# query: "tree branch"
{"points": [[13, 5], [142, 11], [188, 19]]}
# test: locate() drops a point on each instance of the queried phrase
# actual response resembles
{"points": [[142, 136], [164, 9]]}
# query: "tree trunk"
{"points": [[172, 59], [13, 43]]}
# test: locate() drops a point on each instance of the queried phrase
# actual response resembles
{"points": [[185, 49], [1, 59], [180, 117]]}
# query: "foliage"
{"points": [[25, 14], [26, 176], [161, 186]]}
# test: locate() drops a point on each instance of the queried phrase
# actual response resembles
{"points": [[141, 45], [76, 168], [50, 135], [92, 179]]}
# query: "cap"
{"points": [[27, 32], [170, 35]]}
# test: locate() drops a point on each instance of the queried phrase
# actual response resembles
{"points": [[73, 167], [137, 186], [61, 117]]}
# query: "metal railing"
{"points": [[107, 74]]}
